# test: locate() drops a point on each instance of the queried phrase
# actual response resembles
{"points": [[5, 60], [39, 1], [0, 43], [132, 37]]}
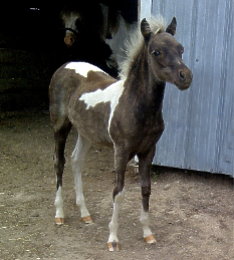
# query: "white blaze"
{"points": [[69, 19]]}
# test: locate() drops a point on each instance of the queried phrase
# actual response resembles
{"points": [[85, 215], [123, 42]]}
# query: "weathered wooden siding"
{"points": [[199, 132]]}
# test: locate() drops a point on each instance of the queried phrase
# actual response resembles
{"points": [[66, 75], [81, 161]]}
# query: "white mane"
{"points": [[135, 41]]}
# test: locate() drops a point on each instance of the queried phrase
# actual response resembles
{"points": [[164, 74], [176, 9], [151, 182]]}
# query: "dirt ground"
{"points": [[192, 213]]}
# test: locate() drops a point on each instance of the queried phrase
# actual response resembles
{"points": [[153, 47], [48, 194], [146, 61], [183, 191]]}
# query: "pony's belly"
{"points": [[97, 134]]}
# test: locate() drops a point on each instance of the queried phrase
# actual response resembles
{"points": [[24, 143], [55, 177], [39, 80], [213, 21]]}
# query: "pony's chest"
{"points": [[137, 132], [148, 134], [150, 128], [141, 119]]}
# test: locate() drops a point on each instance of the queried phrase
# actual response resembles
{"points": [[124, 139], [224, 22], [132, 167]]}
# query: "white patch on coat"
{"points": [[110, 94], [82, 68]]}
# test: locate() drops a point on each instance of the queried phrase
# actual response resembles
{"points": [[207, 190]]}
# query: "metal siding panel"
{"points": [[202, 136], [198, 136], [226, 141], [145, 8], [171, 147]]}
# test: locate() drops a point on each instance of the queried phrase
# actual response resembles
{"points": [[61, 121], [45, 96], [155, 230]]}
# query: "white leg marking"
{"points": [[59, 204], [78, 159], [113, 225], [144, 219]]}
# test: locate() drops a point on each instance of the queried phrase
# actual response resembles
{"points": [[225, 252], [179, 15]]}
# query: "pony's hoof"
{"points": [[113, 246], [87, 220], [150, 239], [59, 221]]}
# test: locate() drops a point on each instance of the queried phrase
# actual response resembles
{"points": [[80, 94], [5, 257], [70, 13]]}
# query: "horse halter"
{"points": [[71, 30]]}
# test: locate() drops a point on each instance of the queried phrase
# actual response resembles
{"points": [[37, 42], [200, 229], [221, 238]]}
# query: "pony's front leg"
{"points": [[121, 161], [145, 161], [78, 160]]}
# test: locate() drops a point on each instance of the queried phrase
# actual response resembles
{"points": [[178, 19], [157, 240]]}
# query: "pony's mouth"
{"points": [[184, 85]]}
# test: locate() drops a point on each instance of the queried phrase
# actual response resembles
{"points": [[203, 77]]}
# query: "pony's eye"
{"points": [[156, 53], [182, 51]]}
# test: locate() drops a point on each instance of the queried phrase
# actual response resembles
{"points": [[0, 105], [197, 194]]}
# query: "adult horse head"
{"points": [[80, 21], [84, 36], [70, 20]]}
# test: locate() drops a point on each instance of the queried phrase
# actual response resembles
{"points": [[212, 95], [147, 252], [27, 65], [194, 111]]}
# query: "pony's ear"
{"points": [[172, 27], [145, 29]]}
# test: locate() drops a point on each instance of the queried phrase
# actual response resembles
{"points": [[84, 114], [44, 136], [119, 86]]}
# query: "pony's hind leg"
{"points": [[60, 137], [78, 160]]}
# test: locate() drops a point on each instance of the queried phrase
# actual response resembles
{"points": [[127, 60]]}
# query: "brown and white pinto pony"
{"points": [[125, 114]]}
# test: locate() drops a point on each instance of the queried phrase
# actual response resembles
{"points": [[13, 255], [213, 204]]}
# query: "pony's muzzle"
{"points": [[185, 78]]}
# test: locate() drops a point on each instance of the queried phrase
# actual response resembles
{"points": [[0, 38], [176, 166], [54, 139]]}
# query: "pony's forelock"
{"points": [[135, 41]]}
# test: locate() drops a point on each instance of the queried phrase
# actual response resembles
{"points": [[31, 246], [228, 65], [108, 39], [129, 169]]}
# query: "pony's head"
{"points": [[165, 55]]}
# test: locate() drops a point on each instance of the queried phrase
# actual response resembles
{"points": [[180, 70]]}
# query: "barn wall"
{"points": [[199, 132], [145, 8]]}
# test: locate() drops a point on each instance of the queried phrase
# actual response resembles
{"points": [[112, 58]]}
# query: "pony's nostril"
{"points": [[182, 75]]}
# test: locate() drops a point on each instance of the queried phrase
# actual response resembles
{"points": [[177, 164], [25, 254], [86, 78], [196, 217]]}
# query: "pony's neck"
{"points": [[142, 83]]}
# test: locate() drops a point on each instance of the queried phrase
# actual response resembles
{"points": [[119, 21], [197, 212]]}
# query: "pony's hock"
{"points": [[125, 114]]}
